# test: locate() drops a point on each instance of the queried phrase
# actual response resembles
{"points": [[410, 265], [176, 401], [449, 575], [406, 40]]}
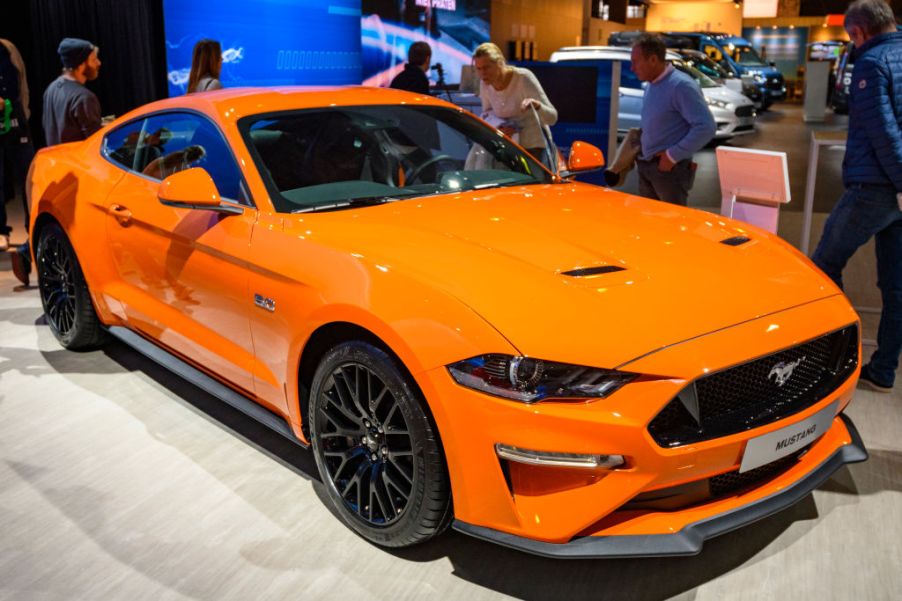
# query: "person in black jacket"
{"points": [[15, 136], [872, 173], [413, 77]]}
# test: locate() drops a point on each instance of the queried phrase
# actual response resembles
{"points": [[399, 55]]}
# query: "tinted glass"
{"points": [[121, 144], [325, 159], [628, 79], [746, 55], [173, 142]]}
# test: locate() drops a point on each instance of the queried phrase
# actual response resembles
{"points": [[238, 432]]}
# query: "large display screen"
{"points": [[783, 46], [267, 42], [453, 28]]}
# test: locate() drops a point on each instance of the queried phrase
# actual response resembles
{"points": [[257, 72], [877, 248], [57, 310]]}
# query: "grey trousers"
{"points": [[672, 186]]}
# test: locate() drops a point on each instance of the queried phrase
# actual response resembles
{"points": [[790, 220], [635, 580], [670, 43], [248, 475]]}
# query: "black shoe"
{"points": [[867, 382], [21, 260]]}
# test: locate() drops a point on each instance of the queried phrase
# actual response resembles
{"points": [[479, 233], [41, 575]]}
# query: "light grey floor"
{"points": [[119, 481]]}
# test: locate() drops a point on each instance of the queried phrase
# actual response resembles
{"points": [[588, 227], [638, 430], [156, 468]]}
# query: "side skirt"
{"points": [[204, 382]]}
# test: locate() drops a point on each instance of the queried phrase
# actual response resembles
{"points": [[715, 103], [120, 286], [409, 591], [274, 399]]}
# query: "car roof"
{"points": [[599, 52], [234, 103]]}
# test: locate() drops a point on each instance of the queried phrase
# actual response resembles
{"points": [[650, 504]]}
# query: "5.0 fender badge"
{"points": [[265, 303], [782, 371]]}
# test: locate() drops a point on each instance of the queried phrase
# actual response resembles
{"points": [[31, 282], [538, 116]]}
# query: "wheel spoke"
{"points": [[338, 403], [386, 482], [343, 390]]}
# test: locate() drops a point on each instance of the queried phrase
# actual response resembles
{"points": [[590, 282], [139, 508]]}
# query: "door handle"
{"points": [[122, 214]]}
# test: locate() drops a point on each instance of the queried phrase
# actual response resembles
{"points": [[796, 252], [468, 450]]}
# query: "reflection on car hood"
{"points": [[502, 252]]}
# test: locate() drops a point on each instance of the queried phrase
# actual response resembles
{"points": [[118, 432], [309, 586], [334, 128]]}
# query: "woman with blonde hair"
{"points": [[509, 95], [206, 64]]}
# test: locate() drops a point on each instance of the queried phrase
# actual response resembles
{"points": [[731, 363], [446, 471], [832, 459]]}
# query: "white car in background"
{"points": [[733, 112]]}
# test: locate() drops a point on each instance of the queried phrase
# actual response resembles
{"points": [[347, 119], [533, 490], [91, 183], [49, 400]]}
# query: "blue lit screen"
{"points": [[452, 28], [267, 42]]}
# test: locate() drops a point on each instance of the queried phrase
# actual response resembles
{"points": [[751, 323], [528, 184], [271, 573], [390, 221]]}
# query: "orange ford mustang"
{"points": [[461, 336]]}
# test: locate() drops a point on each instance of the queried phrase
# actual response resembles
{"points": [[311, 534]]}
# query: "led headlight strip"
{"points": [[530, 380]]}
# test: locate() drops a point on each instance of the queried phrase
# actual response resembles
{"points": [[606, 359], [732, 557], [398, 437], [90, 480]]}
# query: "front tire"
{"points": [[64, 292], [377, 451]]}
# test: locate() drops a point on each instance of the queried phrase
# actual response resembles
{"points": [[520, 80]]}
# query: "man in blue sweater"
{"points": [[676, 123], [872, 174]]}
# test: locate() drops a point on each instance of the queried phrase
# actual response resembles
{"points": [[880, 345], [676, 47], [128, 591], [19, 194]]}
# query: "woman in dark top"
{"points": [[206, 64]]}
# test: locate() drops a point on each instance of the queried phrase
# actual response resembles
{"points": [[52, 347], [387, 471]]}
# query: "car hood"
{"points": [[727, 95], [504, 253]]}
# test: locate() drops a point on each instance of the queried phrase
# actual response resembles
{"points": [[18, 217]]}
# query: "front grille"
{"points": [[774, 82], [748, 395], [745, 111], [712, 489], [734, 482]]}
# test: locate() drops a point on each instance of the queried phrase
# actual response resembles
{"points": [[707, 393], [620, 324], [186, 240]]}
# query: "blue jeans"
{"points": [[865, 211]]}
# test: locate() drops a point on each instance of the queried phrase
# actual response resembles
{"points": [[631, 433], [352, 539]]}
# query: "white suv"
{"points": [[734, 113]]}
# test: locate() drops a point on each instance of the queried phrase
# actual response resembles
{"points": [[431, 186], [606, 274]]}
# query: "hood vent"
{"points": [[736, 240], [589, 271]]}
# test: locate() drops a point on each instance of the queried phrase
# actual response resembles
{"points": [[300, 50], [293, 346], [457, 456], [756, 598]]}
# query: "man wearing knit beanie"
{"points": [[71, 113]]}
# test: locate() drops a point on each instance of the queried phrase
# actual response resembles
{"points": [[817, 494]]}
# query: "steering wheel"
{"points": [[418, 170]]}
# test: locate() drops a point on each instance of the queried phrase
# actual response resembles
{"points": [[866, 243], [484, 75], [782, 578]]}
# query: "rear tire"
{"points": [[64, 292], [376, 449]]}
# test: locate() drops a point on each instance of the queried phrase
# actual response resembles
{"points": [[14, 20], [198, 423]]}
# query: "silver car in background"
{"points": [[733, 113]]}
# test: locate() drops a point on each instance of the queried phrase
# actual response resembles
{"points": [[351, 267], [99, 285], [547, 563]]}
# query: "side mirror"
{"points": [[583, 158], [193, 189]]}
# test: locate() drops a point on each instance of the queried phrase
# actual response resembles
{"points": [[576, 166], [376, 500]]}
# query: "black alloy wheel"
{"points": [[377, 452], [64, 292]]}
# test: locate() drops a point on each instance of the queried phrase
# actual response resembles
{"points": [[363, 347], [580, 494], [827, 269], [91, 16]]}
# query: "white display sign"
{"points": [[759, 8], [785, 441]]}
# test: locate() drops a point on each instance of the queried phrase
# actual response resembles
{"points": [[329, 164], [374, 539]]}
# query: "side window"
{"points": [[121, 144], [173, 142], [628, 79], [714, 52]]}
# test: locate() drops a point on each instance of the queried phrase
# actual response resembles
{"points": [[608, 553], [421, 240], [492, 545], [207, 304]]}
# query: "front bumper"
{"points": [[690, 539], [557, 506]]}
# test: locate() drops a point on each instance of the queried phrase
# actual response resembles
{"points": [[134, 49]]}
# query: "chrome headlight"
{"points": [[530, 380], [723, 104], [760, 78]]}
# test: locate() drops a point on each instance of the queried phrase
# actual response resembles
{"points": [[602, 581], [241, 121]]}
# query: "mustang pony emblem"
{"points": [[783, 371]]}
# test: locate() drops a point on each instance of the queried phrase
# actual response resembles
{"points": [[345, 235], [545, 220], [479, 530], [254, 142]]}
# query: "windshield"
{"points": [[707, 66], [746, 55], [340, 157], [702, 79]]}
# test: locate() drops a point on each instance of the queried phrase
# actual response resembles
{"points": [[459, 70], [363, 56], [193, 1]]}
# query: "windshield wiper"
{"points": [[362, 201]]}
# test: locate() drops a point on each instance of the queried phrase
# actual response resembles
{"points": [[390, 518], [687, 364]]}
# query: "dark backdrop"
{"points": [[128, 32], [819, 8]]}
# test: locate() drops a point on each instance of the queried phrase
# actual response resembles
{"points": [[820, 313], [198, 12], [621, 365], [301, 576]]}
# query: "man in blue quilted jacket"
{"points": [[872, 174]]}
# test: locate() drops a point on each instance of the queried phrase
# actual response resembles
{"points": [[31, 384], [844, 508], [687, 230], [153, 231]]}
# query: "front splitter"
{"points": [[691, 538]]}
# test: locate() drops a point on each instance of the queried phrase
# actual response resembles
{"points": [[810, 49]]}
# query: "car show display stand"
{"points": [[753, 185], [817, 78], [835, 140]]}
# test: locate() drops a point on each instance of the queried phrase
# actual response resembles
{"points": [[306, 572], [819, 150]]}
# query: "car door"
{"points": [[182, 274]]}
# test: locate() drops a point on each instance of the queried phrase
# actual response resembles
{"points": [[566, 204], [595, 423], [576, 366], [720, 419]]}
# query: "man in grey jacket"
{"points": [[872, 173]]}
